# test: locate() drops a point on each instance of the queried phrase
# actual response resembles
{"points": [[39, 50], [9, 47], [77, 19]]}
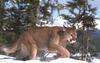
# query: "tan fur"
{"points": [[51, 38]]}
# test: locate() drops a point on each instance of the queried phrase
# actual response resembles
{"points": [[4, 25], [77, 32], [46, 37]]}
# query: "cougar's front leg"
{"points": [[54, 44], [60, 50]]}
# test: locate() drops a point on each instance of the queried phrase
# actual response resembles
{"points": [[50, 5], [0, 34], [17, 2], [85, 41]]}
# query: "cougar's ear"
{"points": [[74, 27]]}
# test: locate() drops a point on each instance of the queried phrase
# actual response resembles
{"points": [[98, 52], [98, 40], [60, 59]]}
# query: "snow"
{"points": [[59, 21], [95, 60], [68, 60], [8, 59], [98, 24]]}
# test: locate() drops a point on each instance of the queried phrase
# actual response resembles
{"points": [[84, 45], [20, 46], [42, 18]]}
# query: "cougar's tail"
{"points": [[9, 50]]}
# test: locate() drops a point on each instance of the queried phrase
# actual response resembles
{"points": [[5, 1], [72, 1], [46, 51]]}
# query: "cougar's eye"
{"points": [[71, 34]]}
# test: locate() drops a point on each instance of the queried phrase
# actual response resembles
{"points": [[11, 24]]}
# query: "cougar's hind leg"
{"points": [[33, 52], [32, 47]]}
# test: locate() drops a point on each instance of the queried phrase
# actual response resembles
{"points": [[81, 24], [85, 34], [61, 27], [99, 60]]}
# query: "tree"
{"points": [[33, 11], [82, 11], [22, 14], [16, 18]]}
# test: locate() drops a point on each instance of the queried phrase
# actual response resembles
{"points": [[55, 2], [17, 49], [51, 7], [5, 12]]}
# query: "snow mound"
{"points": [[8, 59], [67, 60], [60, 60]]}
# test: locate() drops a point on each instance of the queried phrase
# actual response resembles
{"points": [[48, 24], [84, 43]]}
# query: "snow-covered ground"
{"points": [[8, 59]]}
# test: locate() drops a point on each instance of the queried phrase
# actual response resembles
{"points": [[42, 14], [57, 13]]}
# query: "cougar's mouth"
{"points": [[73, 41]]}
